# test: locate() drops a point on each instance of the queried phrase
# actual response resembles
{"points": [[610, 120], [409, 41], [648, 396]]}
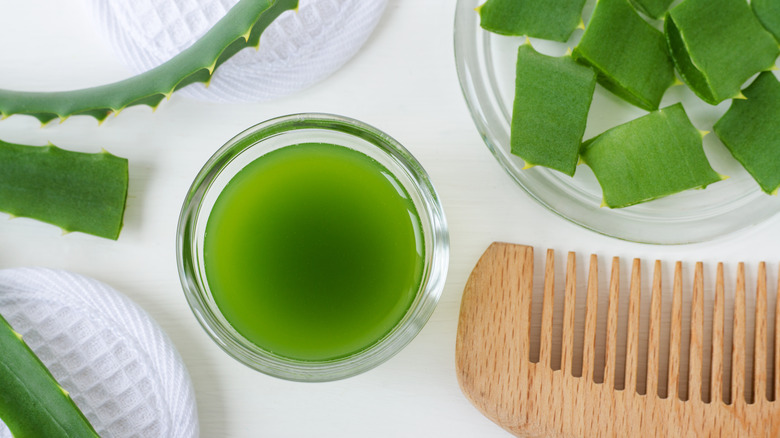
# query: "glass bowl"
{"points": [[277, 133], [485, 64]]}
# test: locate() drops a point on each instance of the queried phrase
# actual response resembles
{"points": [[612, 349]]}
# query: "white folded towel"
{"points": [[296, 51], [119, 367]]}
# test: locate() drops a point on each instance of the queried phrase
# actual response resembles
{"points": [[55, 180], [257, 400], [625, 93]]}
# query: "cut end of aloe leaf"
{"points": [[751, 132], [72, 190], [717, 45], [768, 13], [622, 48], [648, 158], [547, 19], [550, 109]]}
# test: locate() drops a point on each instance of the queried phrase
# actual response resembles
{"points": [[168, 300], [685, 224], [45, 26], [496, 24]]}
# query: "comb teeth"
{"points": [[760, 390], [694, 379]]}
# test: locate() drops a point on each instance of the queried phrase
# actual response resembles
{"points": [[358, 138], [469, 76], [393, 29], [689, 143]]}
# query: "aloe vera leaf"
{"points": [[717, 45], [652, 8], [548, 19], [552, 98], [628, 54], [750, 129], [32, 403], [650, 157], [768, 13], [239, 28], [73, 190]]}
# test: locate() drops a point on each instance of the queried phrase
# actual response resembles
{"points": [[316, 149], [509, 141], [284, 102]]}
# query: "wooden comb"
{"points": [[531, 399]]}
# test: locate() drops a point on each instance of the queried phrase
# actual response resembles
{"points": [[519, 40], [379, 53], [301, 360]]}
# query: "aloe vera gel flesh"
{"points": [[313, 252]]}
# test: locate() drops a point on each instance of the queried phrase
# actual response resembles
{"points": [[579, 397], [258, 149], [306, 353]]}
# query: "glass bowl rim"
{"points": [[628, 225], [435, 266]]}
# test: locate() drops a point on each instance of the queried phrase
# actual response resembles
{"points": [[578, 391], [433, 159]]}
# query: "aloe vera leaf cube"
{"points": [[552, 98], [652, 8], [750, 129], [32, 403], [73, 190], [238, 29], [628, 54], [768, 13], [648, 158], [548, 19], [717, 45]]}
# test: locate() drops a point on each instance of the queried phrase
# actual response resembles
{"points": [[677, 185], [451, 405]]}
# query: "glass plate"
{"points": [[486, 68]]}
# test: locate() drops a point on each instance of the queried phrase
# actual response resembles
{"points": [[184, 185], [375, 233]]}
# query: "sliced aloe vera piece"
{"points": [[239, 28], [628, 54], [547, 19], [650, 157], [73, 190], [652, 8], [552, 98], [750, 129], [32, 403], [768, 13], [717, 45]]}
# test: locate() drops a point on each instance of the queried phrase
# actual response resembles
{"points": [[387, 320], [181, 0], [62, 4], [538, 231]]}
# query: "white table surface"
{"points": [[404, 82]]}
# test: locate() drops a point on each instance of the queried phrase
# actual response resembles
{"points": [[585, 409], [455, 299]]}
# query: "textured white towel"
{"points": [[118, 365], [297, 50]]}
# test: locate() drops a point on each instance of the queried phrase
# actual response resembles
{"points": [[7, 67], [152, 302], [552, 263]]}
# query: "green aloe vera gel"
{"points": [[313, 251]]}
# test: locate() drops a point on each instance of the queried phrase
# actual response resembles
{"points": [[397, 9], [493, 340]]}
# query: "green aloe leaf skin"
{"points": [[548, 19], [629, 55], [648, 158], [73, 190], [32, 403], [240, 28], [652, 8], [750, 129], [552, 98], [717, 45], [768, 13]]}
